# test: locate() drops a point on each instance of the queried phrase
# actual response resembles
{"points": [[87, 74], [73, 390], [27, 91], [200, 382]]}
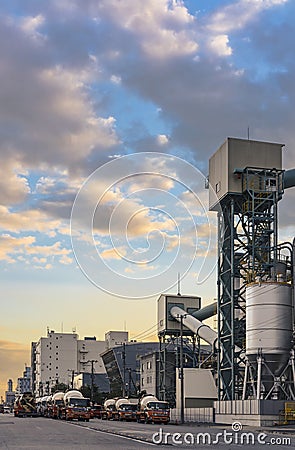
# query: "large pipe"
{"points": [[289, 178], [206, 312], [203, 331]]}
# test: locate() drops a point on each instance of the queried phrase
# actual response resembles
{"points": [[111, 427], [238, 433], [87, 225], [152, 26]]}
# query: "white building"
{"points": [[116, 338], [24, 382], [55, 357], [149, 368], [89, 351], [58, 357]]}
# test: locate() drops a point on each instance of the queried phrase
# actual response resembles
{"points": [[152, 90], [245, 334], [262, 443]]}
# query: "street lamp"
{"points": [[124, 369], [182, 316]]}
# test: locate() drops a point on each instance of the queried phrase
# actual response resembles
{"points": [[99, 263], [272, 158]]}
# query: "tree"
{"points": [[59, 387], [98, 397]]}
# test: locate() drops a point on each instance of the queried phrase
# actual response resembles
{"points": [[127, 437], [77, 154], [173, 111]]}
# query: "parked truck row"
{"points": [[72, 405], [146, 410], [64, 405]]}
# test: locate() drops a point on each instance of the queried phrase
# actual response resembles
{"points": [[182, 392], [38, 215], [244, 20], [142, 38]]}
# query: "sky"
{"points": [[119, 105]]}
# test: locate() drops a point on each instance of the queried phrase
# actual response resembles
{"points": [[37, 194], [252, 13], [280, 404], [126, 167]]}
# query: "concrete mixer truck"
{"points": [[25, 405], [108, 407], [75, 406], [152, 410], [56, 404], [43, 405], [124, 409]]}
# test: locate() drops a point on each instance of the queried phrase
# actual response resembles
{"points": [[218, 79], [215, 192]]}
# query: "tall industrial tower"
{"points": [[246, 183]]}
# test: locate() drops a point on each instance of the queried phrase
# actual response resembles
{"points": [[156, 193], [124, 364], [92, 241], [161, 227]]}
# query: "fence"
{"points": [[204, 415]]}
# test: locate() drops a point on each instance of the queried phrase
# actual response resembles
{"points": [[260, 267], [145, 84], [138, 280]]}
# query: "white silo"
{"points": [[269, 333]]}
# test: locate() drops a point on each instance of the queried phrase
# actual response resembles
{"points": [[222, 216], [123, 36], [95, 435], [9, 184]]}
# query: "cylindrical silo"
{"points": [[269, 327]]}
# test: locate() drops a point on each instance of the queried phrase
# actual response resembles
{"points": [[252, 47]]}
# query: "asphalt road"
{"points": [[44, 434]]}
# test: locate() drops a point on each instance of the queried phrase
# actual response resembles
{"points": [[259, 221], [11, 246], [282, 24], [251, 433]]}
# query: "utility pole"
{"points": [[124, 370], [72, 372], [181, 373], [129, 382], [92, 362]]}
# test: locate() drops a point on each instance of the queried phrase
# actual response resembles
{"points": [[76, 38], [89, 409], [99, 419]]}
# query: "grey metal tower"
{"points": [[245, 186], [171, 335]]}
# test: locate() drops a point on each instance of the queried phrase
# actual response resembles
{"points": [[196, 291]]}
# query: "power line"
{"points": [[145, 331]]}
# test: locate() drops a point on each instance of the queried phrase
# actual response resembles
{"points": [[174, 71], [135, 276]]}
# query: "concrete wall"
{"points": [[248, 412], [199, 388]]}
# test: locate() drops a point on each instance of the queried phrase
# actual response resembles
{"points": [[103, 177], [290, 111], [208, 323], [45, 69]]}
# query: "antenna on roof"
{"points": [[248, 133], [178, 284]]}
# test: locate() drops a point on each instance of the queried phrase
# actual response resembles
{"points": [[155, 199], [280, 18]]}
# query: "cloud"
{"points": [[162, 139], [113, 253], [66, 260], [63, 74], [28, 220], [49, 119], [237, 15], [14, 186], [163, 29], [219, 44], [11, 247]]}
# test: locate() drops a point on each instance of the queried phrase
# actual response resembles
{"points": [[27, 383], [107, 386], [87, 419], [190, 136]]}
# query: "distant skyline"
{"points": [[83, 83]]}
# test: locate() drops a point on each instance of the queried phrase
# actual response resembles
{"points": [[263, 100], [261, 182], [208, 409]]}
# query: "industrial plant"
{"points": [[252, 353], [244, 370]]}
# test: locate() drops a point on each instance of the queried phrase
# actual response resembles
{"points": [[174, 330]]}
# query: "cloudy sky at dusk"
{"points": [[84, 82]]}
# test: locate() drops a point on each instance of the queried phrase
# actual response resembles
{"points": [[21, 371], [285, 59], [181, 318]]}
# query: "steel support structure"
{"points": [[247, 251], [170, 359]]}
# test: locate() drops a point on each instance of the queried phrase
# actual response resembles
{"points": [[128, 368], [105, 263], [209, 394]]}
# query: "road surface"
{"points": [[43, 434]]}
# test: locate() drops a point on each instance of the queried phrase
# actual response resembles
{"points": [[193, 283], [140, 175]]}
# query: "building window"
{"points": [[149, 365]]}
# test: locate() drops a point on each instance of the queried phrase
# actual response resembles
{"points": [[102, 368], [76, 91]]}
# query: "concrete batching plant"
{"points": [[254, 344], [255, 274]]}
